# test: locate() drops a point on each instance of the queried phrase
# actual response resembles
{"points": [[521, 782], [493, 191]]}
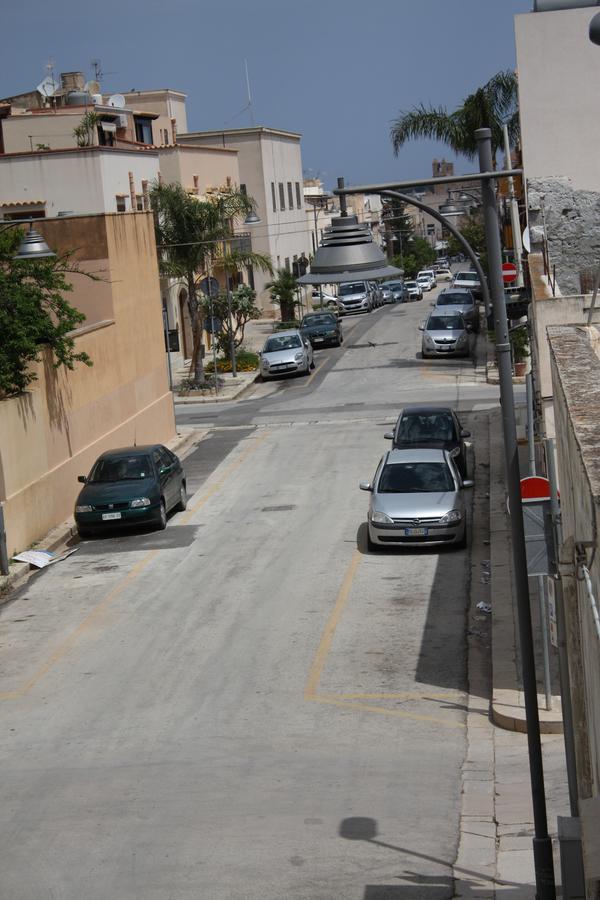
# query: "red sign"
{"points": [[509, 272], [535, 488]]}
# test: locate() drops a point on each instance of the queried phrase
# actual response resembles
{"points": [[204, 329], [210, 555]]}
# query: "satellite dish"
{"points": [[92, 87], [48, 87], [117, 100]]}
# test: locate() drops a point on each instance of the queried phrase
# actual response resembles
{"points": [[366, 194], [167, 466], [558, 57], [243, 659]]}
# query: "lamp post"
{"points": [[33, 245], [344, 256]]}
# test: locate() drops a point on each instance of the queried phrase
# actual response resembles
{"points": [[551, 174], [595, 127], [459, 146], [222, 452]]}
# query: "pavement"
{"points": [[495, 854]]}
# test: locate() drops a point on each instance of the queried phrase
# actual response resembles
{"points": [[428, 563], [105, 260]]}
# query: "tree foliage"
{"points": [[473, 230], [491, 106], [84, 132], [243, 309], [34, 314], [420, 254], [283, 291], [192, 236]]}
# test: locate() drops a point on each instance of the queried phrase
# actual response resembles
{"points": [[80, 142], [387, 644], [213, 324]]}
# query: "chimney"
{"points": [[174, 129], [132, 192]]}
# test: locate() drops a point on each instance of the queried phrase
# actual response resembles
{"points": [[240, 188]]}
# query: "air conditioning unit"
{"points": [[121, 121]]}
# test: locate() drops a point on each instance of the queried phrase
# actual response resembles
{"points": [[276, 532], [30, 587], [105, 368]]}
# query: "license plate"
{"points": [[415, 532], [319, 340], [107, 516]]}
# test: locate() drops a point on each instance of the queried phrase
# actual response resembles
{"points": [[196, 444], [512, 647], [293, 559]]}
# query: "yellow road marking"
{"points": [[219, 484], [382, 711], [315, 373], [351, 700], [314, 676], [133, 573], [68, 642]]}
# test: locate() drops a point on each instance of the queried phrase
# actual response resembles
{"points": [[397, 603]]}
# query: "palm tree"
{"points": [[192, 235], [491, 106], [283, 291]]}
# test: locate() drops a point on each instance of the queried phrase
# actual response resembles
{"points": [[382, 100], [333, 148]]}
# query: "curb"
{"points": [[507, 706], [242, 388], [59, 536]]}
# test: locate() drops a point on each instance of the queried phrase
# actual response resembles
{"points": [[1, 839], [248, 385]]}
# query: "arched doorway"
{"points": [[185, 325]]}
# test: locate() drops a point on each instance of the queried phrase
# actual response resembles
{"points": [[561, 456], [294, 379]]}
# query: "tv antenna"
{"points": [[248, 106]]}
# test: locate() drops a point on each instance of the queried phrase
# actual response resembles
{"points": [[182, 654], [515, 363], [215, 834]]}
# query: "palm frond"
{"points": [[423, 121]]}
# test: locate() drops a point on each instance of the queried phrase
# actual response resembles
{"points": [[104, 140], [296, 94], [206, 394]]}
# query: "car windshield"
{"points": [[415, 478], [415, 428], [357, 287], [456, 299], [423, 278], [445, 323], [393, 285], [322, 319], [121, 468], [410, 284], [467, 276], [282, 342]]}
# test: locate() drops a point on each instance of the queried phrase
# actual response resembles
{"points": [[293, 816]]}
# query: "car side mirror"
{"points": [[421, 328], [469, 328], [82, 478], [465, 434], [468, 483], [366, 486], [389, 435]]}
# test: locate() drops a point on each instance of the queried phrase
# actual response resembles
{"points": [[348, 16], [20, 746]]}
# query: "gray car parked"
{"points": [[285, 353], [445, 334], [417, 498], [463, 302]]}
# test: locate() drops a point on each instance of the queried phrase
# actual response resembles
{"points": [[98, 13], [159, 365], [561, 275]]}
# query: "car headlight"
{"points": [[451, 518], [428, 341], [84, 508], [264, 362], [380, 517], [140, 501], [462, 338], [298, 356]]}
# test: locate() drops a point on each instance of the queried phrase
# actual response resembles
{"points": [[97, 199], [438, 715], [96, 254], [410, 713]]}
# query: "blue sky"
{"points": [[338, 71]]}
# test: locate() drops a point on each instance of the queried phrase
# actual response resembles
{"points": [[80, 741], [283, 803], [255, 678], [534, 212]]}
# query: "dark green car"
{"points": [[322, 329], [130, 486]]}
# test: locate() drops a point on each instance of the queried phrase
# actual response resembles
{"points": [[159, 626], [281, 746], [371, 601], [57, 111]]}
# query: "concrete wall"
{"points": [[559, 71], [576, 378], [55, 430], [212, 166], [23, 132], [82, 181]]}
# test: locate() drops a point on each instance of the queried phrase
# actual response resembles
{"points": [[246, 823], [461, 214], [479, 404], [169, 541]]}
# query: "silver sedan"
{"points": [[417, 498], [286, 353]]}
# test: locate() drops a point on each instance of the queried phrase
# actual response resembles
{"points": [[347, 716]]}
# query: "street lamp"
{"points": [[347, 259], [33, 245]]}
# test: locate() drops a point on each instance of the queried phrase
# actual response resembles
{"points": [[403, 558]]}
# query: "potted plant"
{"points": [[519, 342]]}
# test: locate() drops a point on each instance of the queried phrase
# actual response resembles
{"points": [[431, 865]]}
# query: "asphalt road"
{"points": [[248, 705]]}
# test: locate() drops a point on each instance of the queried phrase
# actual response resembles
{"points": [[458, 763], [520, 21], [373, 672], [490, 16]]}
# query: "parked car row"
{"points": [[417, 491]]}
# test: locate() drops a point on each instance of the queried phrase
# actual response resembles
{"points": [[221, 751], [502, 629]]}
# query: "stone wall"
{"points": [[571, 221]]}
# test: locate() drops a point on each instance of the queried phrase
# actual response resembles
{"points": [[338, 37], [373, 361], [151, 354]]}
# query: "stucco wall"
{"points": [[212, 165], [559, 71], [54, 431], [78, 181]]}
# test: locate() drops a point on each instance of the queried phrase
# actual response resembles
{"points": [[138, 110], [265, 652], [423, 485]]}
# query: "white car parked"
{"points": [[285, 353]]}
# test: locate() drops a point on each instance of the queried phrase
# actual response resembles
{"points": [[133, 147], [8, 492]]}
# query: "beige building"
{"points": [[54, 431], [270, 167]]}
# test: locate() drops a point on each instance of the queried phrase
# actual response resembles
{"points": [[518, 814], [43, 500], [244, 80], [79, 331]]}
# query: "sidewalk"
{"points": [[495, 855]]}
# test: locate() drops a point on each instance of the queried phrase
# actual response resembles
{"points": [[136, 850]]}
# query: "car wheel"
{"points": [[312, 363], [181, 506], [162, 517], [371, 546], [461, 545]]}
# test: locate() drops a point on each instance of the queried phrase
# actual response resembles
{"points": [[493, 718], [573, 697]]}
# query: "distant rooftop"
{"points": [[255, 129]]}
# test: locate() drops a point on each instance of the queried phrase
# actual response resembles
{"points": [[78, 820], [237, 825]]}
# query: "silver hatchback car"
{"points": [[284, 353], [417, 498], [445, 334]]}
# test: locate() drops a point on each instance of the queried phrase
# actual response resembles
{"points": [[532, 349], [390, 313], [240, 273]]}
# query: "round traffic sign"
{"points": [[509, 272]]}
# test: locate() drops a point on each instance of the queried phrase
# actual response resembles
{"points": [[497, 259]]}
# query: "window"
{"points": [[281, 196], [287, 264], [139, 202], [165, 135], [143, 130], [121, 206], [290, 195], [298, 196], [250, 271], [243, 190], [273, 196]]}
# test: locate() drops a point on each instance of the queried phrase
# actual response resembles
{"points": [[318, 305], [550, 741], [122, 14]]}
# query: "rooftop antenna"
{"points": [[97, 67], [248, 105]]}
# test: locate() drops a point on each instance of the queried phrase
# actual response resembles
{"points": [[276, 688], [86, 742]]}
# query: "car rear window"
{"points": [[415, 428], [415, 478], [445, 323], [457, 298], [322, 319]]}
